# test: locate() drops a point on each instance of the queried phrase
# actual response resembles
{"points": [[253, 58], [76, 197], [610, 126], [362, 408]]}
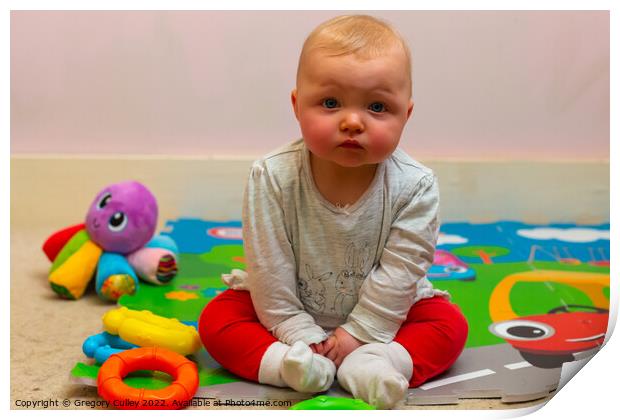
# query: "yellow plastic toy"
{"points": [[145, 329]]}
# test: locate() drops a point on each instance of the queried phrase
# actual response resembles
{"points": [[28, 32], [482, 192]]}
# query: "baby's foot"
{"points": [[377, 373], [305, 371]]}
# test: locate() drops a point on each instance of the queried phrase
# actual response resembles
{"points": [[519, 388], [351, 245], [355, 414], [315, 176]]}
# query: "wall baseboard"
{"points": [[56, 191]]}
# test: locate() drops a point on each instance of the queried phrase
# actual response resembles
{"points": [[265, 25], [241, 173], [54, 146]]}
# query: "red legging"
{"points": [[434, 334]]}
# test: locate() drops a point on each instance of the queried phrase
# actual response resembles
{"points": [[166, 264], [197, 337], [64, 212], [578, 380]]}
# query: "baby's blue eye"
{"points": [[330, 103], [377, 107]]}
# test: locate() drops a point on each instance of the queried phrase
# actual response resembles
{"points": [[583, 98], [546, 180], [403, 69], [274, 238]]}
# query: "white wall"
{"points": [[524, 85]]}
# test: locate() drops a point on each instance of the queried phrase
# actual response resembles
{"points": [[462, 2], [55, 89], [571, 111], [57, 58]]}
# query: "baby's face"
{"points": [[352, 112]]}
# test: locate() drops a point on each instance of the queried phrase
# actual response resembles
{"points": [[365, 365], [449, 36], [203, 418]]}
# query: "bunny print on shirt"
{"points": [[350, 278]]}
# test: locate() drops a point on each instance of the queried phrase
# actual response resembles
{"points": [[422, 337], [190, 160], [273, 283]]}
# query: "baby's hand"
{"points": [[341, 343], [323, 347]]}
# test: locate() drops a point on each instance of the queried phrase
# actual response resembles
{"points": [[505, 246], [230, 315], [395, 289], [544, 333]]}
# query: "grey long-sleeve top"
{"points": [[313, 266]]}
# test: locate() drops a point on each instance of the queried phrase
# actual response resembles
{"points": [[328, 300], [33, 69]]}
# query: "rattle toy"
{"points": [[144, 329], [178, 394], [325, 402], [102, 346], [115, 245]]}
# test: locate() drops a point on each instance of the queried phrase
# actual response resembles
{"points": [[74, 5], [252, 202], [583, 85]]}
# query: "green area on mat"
{"points": [[224, 254]]}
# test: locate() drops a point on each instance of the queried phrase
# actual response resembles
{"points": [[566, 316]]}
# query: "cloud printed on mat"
{"points": [[565, 235], [451, 239]]}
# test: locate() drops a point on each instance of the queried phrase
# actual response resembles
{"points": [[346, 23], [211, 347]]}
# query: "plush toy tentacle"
{"points": [[163, 241], [57, 240], [115, 277], [70, 276], [154, 265], [71, 247]]}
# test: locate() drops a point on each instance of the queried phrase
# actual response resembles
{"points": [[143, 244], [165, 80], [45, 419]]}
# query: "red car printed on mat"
{"points": [[547, 341], [564, 334]]}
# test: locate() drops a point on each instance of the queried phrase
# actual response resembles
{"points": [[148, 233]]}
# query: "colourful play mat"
{"points": [[535, 297]]}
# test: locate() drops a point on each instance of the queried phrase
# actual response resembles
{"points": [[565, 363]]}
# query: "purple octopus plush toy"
{"points": [[115, 246]]}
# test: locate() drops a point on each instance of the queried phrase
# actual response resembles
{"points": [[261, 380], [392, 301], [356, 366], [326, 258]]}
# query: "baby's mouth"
{"points": [[351, 144]]}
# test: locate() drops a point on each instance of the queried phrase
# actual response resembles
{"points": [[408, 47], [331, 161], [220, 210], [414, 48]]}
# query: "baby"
{"points": [[339, 231]]}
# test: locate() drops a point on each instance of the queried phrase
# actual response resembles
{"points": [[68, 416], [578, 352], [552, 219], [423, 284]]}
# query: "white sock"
{"points": [[297, 367], [377, 373], [269, 370]]}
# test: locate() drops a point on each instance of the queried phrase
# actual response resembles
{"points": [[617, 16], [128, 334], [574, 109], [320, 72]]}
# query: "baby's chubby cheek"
{"points": [[384, 149], [383, 142], [317, 136]]}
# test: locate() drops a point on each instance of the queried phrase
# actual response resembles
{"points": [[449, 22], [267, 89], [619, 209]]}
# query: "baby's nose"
{"points": [[352, 122]]}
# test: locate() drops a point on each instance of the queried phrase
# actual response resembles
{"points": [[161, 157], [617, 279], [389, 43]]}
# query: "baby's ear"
{"points": [[294, 102], [410, 109]]}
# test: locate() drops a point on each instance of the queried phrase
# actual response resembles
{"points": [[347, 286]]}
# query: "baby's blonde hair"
{"points": [[364, 36]]}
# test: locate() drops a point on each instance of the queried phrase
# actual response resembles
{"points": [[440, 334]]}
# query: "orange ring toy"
{"points": [[178, 394]]}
